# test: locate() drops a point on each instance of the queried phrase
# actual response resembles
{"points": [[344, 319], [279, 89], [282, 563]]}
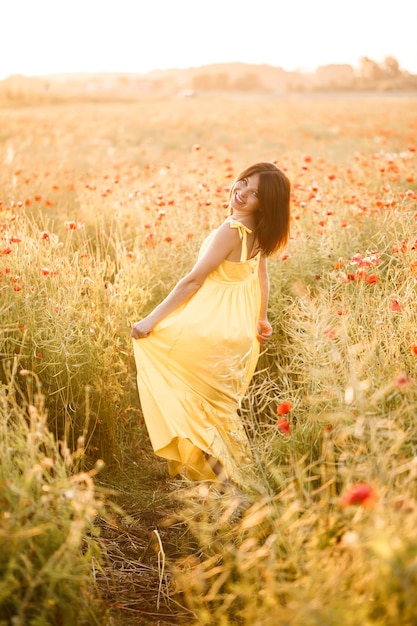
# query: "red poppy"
{"points": [[403, 381], [150, 240], [371, 279], [360, 494], [330, 332], [284, 407], [395, 305], [72, 225], [284, 426]]}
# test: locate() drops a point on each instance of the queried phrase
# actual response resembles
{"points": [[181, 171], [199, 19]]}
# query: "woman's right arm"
{"points": [[220, 247], [182, 291]]}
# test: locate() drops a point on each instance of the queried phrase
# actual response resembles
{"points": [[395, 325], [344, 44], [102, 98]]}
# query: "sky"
{"points": [[40, 37]]}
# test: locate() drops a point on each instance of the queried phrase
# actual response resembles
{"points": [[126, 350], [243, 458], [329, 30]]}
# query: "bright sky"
{"points": [[60, 36]]}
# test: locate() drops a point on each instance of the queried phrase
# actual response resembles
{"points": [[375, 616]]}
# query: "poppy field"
{"points": [[103, 206]]}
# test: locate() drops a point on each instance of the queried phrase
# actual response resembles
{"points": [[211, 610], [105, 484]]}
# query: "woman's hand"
{"points": [[264, 332], [142, 328]]}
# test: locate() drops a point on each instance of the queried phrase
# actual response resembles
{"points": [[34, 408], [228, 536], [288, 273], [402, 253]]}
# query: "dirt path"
{"points": [[140, 542]]}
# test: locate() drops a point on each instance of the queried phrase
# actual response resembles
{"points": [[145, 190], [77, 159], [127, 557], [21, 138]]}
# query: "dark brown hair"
{"points": [[273, 216]]}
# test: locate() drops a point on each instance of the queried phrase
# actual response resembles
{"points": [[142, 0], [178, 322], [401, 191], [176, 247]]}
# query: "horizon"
{"points": [[69, 74]]}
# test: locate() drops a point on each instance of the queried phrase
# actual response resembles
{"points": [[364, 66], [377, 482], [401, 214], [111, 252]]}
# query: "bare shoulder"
{"points": [[226, 235]]}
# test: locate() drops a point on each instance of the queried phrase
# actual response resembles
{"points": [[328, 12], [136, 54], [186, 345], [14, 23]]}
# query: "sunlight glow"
{"points": [[137, 36]]}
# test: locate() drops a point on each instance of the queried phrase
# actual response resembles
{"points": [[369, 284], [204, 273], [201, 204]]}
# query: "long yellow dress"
{"points": [[195, 366]]}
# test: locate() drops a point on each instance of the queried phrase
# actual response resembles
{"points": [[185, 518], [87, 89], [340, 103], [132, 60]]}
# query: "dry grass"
{"points": [[103, 208], [140, 545]]}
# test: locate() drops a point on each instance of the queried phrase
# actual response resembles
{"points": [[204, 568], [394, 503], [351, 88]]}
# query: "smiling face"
{"points": [[244, 198]]}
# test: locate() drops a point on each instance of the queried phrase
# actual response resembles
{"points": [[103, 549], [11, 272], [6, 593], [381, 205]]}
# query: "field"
{"points": [[103, 206]]}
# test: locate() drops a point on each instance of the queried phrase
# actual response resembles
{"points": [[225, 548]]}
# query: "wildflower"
{"points": [[6, 251], [284, 426], [340, 263], [44, 235], [284, 407], [371, 279], [72, 225], [402, 381], [45, 271], [368, 261], [413, 268], [360, 494], [150, 240], [395, 305], [330, 332], [413, 349]]}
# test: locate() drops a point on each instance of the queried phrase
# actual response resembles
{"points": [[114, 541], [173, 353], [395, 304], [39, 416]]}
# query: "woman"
{"points": [[197, 350]]}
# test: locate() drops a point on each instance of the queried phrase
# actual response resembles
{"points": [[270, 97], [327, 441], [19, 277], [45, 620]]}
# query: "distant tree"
{"points": [[249, 81], [202, 82], [211, 82], [370, 70], [221, 80], [391, 67]]}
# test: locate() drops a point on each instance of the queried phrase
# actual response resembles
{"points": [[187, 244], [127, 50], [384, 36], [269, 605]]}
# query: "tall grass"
{"points": [[48, 550], [103, 209]]}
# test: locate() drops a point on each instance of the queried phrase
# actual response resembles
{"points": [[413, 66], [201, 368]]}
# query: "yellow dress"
{"points": [[195, 366]]}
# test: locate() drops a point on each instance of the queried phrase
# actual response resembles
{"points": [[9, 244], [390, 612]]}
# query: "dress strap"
{"points": [[243, 231]]}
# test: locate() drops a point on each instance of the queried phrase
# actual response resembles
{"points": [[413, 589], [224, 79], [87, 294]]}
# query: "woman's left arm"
{"points": [[264, 327]]}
